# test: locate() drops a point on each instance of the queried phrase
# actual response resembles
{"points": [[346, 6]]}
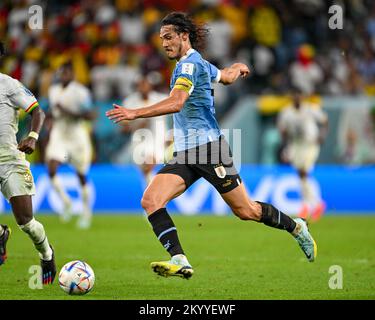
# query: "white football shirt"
{"points": [[13, 97], [76, 98], [302, 125]]}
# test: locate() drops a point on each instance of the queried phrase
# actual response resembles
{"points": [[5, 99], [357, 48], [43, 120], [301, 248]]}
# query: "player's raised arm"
{"points": [[231, 74], [172, 104]]}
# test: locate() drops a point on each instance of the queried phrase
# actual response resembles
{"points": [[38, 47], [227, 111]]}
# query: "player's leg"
{"points": [[56, 154], [81, 156], [304, 163], [84, 222], [163, 188], [22, 210], [224, 177], [4, 237], [246, 209], [4, 230], [306, 194], [52, 166]]}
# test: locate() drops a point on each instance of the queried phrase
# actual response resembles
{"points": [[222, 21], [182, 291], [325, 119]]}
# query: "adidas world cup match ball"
{"points": [[76, 278]]}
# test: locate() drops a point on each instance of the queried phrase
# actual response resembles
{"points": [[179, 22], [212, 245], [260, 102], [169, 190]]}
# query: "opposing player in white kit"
{"points": [[69, 142], [148, 145], [303, 127], [16, 180]]}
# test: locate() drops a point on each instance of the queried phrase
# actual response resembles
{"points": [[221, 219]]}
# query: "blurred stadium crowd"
{"points": [[112, 42]]}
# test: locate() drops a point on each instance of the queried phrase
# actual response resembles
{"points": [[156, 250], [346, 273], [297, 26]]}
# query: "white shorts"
{"points": [[75, 150], [16, 180], [303, 155]]}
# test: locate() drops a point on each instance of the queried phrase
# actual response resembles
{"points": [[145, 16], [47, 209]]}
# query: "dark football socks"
{"points": [[165, 231], [273, 217]]}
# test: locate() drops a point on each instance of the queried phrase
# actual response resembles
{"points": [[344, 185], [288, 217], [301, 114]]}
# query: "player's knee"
{"points": [[151, 202], [23, 219]]}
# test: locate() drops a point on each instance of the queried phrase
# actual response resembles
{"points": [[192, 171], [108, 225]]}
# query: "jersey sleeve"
{"points": [[21, 97], [186, 77], [215, 73]]}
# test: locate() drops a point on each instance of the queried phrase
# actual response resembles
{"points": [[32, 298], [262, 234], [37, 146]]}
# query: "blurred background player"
{"points": [[69, 142], [16, 180], [146, 148], [303, 127]]}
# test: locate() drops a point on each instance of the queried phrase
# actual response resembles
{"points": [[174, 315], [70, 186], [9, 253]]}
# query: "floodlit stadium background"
{"points": [[111, 43]]}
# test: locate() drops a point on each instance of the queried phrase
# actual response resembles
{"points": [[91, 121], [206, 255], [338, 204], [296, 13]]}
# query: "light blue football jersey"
{"points": [[195, 124]]}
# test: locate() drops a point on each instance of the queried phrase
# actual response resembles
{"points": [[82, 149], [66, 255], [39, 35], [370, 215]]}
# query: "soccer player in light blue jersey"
{"points": [[200, 147]]}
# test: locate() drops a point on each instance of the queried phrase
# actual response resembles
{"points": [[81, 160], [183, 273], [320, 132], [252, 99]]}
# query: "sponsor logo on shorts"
{"points": [[226, 184]]}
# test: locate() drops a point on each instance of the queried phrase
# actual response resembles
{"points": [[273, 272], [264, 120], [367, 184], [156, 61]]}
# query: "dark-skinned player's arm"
{"points": [[28, 144], [23, 98], [232, 73], [173, 104]]}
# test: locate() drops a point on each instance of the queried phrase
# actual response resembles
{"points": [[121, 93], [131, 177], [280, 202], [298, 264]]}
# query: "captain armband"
{"points": [[184, 84]]}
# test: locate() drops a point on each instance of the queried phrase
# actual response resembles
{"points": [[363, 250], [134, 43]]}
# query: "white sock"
{"points": [[86, 201], [36, 232], [307, 192], [1, 230], [60, 190]]}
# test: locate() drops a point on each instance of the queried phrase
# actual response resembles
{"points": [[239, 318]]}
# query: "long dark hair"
{"points": [[184, 23]]}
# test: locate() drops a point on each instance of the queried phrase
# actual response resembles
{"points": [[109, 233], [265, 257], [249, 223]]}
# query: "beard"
{"points": [[177, 55]]}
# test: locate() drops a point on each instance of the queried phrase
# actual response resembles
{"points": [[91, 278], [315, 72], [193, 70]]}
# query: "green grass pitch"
{"points": [[232, 259]]}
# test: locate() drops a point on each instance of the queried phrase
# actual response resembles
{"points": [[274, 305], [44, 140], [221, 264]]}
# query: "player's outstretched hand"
{"points": [[27, 145], [118, 114]]}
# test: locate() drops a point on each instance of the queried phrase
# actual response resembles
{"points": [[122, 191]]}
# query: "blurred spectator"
{"points": [[265, 26], [115, 40], [356, 136], [366, 67], [109, 81], [305, 73], [146, 149], [112, 42], [219, 40]]}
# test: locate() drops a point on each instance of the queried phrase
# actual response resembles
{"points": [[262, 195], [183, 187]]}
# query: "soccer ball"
{"points": [[76, 278]]}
